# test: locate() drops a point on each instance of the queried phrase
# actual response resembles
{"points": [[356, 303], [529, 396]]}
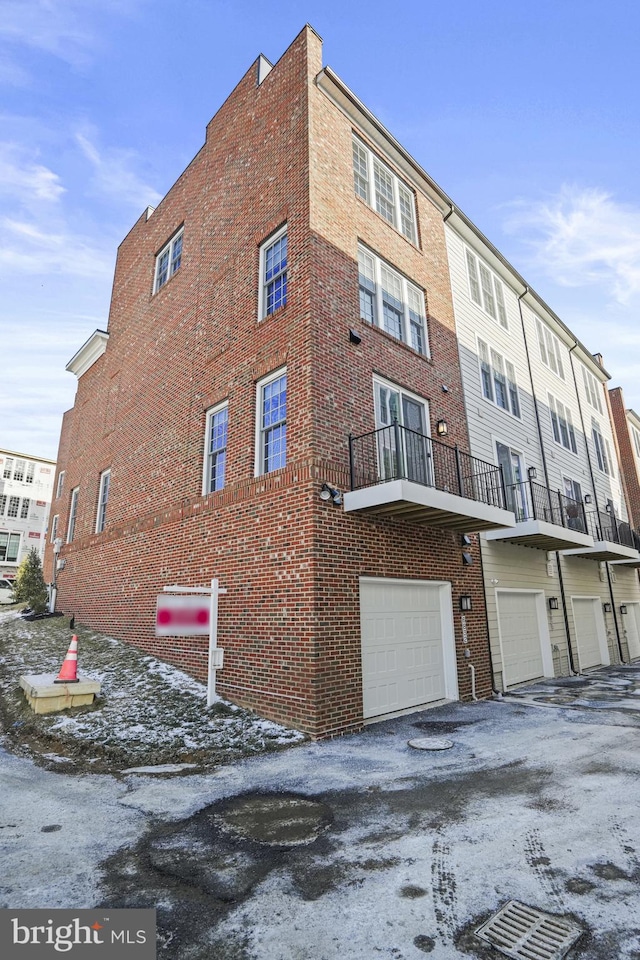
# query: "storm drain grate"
{"points": [[525, 933]]}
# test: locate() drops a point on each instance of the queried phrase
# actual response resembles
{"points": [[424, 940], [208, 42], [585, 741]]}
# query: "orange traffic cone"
{"points": [[69, 669]]}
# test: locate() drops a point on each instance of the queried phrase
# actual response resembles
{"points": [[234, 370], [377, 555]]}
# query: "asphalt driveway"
{"points": [[361, 847]]}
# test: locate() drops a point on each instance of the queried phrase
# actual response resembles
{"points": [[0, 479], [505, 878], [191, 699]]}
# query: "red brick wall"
{"points": [[627, 459], [290, 622]]}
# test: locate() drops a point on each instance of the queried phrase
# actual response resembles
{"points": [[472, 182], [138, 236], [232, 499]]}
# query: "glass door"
{"points": [[410, 457], [511, 463]]}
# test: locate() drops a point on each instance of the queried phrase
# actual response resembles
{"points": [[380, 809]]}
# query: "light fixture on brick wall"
{"points": [[354, 337], [553, 603], [330, 493], [465, 602], [442, 428]]}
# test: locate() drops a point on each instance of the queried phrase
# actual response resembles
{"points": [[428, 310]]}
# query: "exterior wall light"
{"points": [[330, 493], [442, 428], [606, 607], [466, 602], [623, 608], [532, 473], [354, 337], [587, 498], [553, 603]]}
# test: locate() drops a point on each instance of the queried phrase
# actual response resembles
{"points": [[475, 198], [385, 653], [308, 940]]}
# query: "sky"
{"points": [[526, 115]]}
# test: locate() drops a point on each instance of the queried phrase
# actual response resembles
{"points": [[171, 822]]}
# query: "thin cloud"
{"points": [[115, 175], [581, 237], [25, 181], [38, 251]]}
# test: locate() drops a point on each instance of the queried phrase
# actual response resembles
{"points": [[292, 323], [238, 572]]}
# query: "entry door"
{"points": [[590, 632], [632, 626], [520, 636], [511, 463], [412, 460]]}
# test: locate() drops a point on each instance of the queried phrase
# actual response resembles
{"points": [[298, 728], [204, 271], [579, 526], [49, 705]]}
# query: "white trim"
{"points": [[101, 514], [171, 270], [73, 514], [264, 246], [544, 636], [258, 453], [60, 484], [407, 288], [396, 184], [90, 351], [210, 414]]}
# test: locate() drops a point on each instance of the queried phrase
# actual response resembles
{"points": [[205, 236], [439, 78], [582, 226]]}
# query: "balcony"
{"points": [[545, 519], [398, 472], [613, 539]]}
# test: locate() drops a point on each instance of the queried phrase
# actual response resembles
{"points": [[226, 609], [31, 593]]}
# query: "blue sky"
{"points": [[527, 115]]}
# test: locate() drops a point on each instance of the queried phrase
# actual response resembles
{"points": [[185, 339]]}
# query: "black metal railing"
{"points": [[606, 526], [398, 453], [533, 501]]}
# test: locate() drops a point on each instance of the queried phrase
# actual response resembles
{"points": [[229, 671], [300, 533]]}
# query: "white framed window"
{"points": [[103, 499], [60, 483], [602, 448], [8, 468], [24, 509], [54, 528], [562, 424], [550, 349], [18, 473], [73, 512], [498, 379], [572, 489], [381, 189], [390, 301], [271, 422], [31, 469], [3, 503], [486, 289], [593, 389], [215, 449], [168, 261], [273, 273], [413, 458], [9, 547], [636, 440], [13, 508]]}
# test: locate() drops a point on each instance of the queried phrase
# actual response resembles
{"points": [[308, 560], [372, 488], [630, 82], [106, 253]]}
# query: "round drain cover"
{"points": [[430, 743]]}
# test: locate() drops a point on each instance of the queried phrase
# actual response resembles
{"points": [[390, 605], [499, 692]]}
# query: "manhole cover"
{"points": [[558, 698], [278, 820], [525, 933], [430, 743]]}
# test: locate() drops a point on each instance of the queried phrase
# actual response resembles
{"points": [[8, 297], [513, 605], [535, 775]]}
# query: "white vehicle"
{"points": [[6, 591]]}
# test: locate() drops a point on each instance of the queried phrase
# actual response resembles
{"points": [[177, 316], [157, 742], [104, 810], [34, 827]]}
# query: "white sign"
{"points": [[183, 616]]}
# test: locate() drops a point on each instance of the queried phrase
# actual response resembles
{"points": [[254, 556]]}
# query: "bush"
{"points": [[29, 586]]}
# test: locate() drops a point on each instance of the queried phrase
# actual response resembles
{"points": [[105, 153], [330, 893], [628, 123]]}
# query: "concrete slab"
{"points": [[45, 696]]}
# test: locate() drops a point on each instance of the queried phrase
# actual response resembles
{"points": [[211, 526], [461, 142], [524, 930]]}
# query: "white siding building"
{"points": [[561, 586], [26, 488]]}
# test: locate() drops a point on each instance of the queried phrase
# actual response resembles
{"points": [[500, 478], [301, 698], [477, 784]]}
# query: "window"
{"points": [[18, 473], [390, 301], [31, 469], [562, 424], [24, 509], [636, 440], [9, 547], [272, 423], [486, 290], [168, 261], [572, 489], [413, 459], [378, 186], [60, 483], [54, 528], [593, 390], [8, 468], [215, 455], [3, 503], [550, 351], [273, 273], [73, 510], [103, 499], [498, 379], [14, 505], [603, 450]]}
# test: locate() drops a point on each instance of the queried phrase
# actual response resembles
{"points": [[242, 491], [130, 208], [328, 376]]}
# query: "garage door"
{"points": [[631, 623], [520, 636], [405, 630], [590, 632]]}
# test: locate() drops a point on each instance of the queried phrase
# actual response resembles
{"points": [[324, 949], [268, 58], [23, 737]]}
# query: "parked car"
{"points": [[6, 591]]}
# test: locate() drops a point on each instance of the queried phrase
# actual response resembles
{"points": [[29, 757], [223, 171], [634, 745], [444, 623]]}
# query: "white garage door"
{"points": [[631, 623], [404, 634], [590, 632], [520, 636]]}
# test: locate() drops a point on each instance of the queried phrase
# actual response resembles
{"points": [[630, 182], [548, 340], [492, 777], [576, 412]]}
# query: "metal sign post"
{"points": [[181, 616]]}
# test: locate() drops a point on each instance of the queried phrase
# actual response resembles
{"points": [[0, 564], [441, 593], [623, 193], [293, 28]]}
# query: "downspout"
{"points": [[565, 612], [595, 495]]}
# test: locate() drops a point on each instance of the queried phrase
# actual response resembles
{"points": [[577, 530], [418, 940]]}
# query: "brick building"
{"points": [[626, 423], [280, 351]]}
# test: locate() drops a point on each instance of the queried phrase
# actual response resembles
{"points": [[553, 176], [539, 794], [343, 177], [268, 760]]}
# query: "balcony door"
{"points": [[413, 458], [513, 470]]}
